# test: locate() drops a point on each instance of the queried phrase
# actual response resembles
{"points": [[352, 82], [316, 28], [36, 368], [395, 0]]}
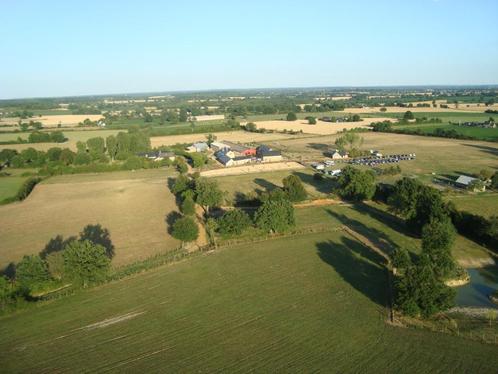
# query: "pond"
{"points": [[482, 282]]}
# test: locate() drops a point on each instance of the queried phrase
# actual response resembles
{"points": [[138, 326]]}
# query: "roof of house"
{"points": [[240, 158], [224, 159], [236, 147], [219, 145], [465, 180], [342, 153], [200, 145]]}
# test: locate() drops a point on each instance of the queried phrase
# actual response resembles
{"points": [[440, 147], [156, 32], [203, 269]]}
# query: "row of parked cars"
{"points": [[389, 159]]}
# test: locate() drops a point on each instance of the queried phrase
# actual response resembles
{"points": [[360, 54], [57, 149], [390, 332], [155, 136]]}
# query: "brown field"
{"points": [[234, 136], [321, 128], [132, 205], [54, 120], [251, 169]]}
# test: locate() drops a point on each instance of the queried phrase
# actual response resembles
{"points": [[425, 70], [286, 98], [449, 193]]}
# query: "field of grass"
{"points": [[475, 132], [434, 155], [10, 185], [302, 304], [248, 183], [132, 205], [484, 204]]}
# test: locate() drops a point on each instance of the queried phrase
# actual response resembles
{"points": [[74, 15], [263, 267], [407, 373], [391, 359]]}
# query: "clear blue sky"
{"points": [[57, 48]]}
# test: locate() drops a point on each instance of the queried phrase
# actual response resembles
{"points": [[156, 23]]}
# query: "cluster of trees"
{"points": [[350, 142], [355, 184], [40, 137], [78, 262], [420, 288], [325, 106], [94, 151]]}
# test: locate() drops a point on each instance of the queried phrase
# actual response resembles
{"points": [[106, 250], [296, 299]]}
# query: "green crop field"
{"points": [[301, 304], [9, 186]]}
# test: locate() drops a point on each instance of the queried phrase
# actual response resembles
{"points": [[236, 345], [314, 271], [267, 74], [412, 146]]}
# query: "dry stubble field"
{"points": [[132, 205], [54, 120]]}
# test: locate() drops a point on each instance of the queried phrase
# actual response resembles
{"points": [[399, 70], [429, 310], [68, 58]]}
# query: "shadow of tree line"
{"points": [[94, 233], [362, 268]]}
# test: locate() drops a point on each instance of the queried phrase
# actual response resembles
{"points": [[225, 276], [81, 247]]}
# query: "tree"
{"points": [[210, 138], [494, 181], [291, 116], [208, 194], [383, 109], [275, 215], [401, 258], [404, 197], [31, 272], [54, 154], [185, 229], [349, 141], [408, 116], [429, 206], [182, 183], [356, 185], [188, 206], [82, 158], [251, 126], [311, 120], [80, 146], [183, 116], [437, 239], [181, 165], [96, 146], [85, 263], [294, 188], [485, 175], [55, 264], [420, 292], [476, 185], [234, 222], [67, 156], [111, 144]]}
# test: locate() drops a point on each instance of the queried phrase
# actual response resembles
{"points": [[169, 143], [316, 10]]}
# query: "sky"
{"points": [[82, 47]]}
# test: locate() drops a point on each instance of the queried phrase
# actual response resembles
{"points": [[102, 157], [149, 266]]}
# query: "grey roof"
{"points": [[465, 180], [238, 158], [223, 158], [236, 147]]}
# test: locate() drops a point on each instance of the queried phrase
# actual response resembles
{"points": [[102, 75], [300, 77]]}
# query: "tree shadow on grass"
{"points": [[267, 185], [56, 244], [9, 271], [326, 185], [377, 237], [490, 150], [358, 266], [99, 235], [170, 219]]}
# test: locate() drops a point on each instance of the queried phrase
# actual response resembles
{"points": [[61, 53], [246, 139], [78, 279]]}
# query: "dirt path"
{"points": [[202, 240], [256, 168]]}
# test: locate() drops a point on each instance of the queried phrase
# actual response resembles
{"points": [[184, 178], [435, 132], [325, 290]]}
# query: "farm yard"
{"points": [[122, 202], [317, 300]]}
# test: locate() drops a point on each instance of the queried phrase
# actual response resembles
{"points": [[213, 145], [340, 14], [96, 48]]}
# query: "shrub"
{"points": [[32, 272], [233, 222], [294, 188], [356, 185], [188, 206], [291, 116], [275, 215], [185, 229]]}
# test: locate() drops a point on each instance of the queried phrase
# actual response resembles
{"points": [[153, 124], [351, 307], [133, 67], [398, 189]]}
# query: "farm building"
{"points": [[219, 146], [336, 154], [240, 149], [224, 159], [157, 155], [467, 182], [267, 154], [198, 147], [241, 160]]}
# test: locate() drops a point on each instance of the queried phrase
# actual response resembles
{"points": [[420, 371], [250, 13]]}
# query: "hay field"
{"points": [[234, 136], [313, 303], [72, 136], [132, 205], [209, 117], [54, 120], [322, 128]]}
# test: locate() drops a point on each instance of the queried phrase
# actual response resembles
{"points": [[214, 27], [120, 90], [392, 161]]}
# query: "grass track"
{"points": [[313, 303]]}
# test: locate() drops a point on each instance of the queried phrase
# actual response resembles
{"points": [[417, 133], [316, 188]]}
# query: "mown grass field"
{"points": [[484, 204], [303, 304], [132, 205]]}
